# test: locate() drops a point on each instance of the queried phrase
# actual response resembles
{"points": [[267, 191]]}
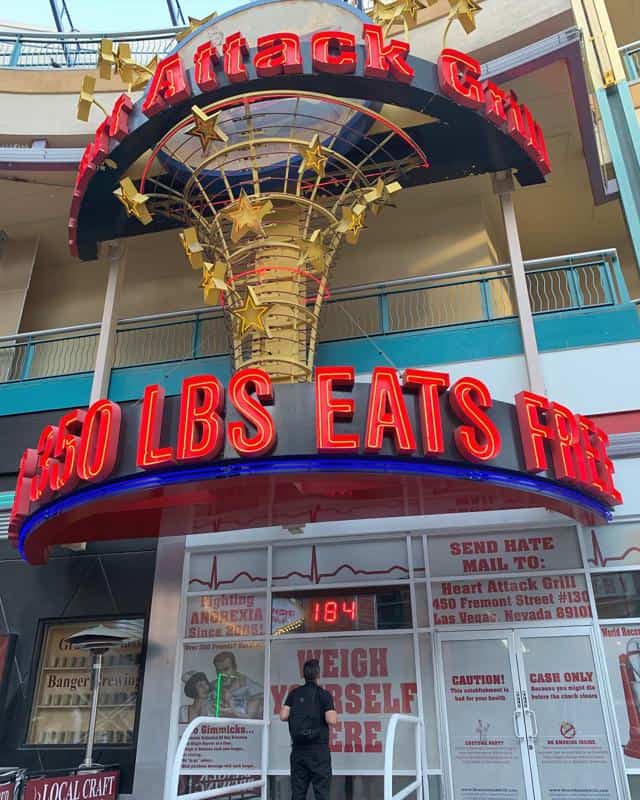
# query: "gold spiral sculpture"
{"points": [[266, 188]]}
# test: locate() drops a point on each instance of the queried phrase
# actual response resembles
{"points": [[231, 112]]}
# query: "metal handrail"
{"points": [[339, 292], [416, 786], [223, 790]]}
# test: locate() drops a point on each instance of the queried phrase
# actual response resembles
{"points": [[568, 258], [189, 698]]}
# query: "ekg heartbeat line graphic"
{"points": [[313, 575], [599, 559]]}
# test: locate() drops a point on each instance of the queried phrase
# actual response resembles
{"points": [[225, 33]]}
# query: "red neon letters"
{"points": [[415, 415], [169, 86], [459, 75], [334, 52]]}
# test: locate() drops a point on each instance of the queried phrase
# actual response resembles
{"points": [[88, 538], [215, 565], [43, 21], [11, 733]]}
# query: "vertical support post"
{"points": [[28, 361], [485, 299], [116, 253], [196, 334], [383, 313], [96, 682], [14, 58], [621, 284], [504, 187]]}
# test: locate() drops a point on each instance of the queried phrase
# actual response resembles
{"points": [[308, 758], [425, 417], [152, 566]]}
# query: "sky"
{"points": [[98, 16]]}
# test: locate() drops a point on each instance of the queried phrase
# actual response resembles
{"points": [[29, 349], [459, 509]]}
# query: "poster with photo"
{"points": [[222, 680], [622, 656], [370, 678]]}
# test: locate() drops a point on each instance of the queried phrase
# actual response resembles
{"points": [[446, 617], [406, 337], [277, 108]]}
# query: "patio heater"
{"points": [[98, 641]]}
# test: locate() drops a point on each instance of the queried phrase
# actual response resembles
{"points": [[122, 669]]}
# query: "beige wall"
{"points": [[17, 258]]}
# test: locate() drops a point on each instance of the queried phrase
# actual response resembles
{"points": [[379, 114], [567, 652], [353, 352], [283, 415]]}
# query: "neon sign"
{"points": [[417, 416]]}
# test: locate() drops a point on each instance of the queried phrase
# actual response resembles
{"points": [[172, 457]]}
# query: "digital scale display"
{"points": [[313, 612]]}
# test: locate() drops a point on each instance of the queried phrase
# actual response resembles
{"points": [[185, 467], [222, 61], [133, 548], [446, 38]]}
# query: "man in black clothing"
{"points": [[309, 710]]}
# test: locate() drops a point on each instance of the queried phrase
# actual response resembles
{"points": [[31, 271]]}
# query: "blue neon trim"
{"points": [[143, 480]]}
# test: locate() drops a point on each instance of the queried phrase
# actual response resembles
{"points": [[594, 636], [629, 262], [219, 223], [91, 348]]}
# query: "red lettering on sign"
{"points": [[384, 60], [480, 439], [205, 59], [429, 385], [458, 74], [99, 443], [534, 430], [119, 117], [245, 386], [169, 86], [278, 54], [22, 497], [387, 414], [495, 99], [566, 446], [201, 428], [333, 52], [235, 50], [63, 473], [149, 453], [330, 409]]}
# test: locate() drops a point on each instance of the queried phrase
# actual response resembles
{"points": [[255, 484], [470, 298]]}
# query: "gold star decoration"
{"points": [[86, 99], [405, 12], [213, 282], [465, 11], [246, 216], [193, 250], [106, 59], [352, 223], [251, 314], [206, 128], [120, 61], [312, 251], [313, 157], [380, 195], [134, 202], [141, 74], [193, 25]]}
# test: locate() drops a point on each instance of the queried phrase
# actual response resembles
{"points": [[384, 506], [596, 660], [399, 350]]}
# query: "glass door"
{"points": [[483, 717], [571, 743], [523, 717]]}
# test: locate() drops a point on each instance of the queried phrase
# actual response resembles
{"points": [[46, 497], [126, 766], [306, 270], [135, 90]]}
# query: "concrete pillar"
{"points": [[116, 255], [503, 186]]}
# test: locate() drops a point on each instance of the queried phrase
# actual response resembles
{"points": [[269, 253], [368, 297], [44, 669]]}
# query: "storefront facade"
{"points": [[449, 525]]}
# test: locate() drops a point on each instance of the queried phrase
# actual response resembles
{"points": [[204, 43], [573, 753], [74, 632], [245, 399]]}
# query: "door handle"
{"points": [[517, 713], [534, 720]]}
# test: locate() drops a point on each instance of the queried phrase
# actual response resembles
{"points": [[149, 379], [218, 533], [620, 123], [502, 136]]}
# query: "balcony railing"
{"points": [[631, 59], [466, 297], [34, 50]]}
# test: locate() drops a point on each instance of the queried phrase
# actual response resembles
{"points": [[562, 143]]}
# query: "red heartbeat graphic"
{"points": [[314, 575], [599, 559]]}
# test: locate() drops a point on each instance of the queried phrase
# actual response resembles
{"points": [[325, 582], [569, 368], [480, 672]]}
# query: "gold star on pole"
{"points": [[86, 99], [206, 128], [193, 250], [134, 202], [352, 223], [106, 59], [251, 314], [213, 282], [380, 195], [465, 11], [313, 157], [246, 216], [193, 25], [312, 251]]}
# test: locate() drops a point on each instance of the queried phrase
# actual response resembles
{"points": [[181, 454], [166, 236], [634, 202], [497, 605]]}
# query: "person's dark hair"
{"points": [[311, 670], [223, 656], [194, 680]]}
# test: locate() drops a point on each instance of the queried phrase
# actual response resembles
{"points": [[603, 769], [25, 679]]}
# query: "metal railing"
{"points": [[77, 50], [631, 59], [51, 50], [567, 283], [222, 791], [389, 745]]}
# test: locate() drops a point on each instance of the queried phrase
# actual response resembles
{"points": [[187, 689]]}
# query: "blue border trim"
{"points": [[272, 466]]}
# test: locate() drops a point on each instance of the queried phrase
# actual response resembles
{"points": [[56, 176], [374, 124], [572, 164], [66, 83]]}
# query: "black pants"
{"points": [[310, 765]]}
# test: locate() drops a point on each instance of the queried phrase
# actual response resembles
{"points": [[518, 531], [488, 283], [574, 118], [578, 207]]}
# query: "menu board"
{"points": [[62, 696]]}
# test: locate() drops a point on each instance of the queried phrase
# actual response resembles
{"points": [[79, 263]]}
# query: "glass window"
{"points": [[429, 702], [369, 677], [341, 562], [240, 569], [223, 679], [545, 550], [211, 616], [617, 594], [62, 696], [383, 608]]}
